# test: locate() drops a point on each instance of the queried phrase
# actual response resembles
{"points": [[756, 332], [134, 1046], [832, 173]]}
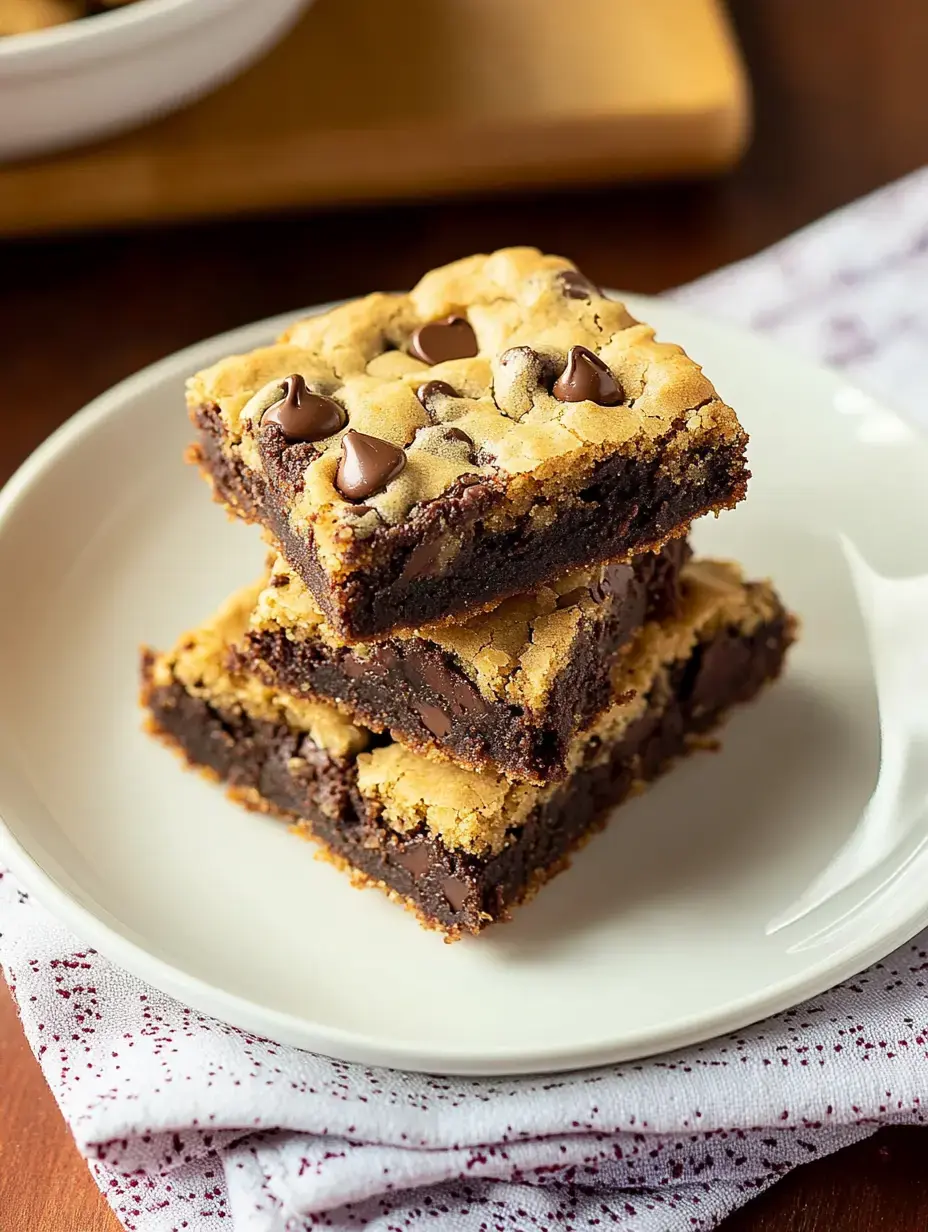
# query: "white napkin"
{"points": [[190, 1124]]}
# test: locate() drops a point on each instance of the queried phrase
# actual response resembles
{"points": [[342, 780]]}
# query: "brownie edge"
{"points": [[418, 689], [278, 770], [627, 506]]}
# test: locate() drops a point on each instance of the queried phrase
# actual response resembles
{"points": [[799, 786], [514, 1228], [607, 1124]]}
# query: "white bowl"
{"points": [[100, 75]]}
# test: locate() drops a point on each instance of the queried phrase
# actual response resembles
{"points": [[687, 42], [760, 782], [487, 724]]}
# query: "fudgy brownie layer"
{"points": [[628, 506], [274, 767], [424, 697]]}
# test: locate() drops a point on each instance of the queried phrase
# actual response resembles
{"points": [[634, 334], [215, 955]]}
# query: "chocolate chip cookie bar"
{"points": [[505, 690], [424, 455], [460, 847]]}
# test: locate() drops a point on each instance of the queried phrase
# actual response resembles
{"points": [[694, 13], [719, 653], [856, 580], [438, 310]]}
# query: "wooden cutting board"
{"points": [[381, 99]]}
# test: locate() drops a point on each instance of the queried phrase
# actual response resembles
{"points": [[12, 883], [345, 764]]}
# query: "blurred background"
{"points": [[349, 145], [649, 142]]}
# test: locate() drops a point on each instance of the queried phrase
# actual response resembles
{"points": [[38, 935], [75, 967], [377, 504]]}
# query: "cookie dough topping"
{"points": [[367, 465], [303, 415]]}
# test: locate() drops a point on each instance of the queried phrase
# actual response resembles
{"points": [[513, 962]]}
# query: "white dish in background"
{"points": [[659, 935], [101, 75]]}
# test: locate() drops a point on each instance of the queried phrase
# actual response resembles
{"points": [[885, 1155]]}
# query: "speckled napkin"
{"points": [[191, 1124]]}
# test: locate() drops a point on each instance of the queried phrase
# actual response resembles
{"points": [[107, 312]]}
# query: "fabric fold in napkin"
{"points": [[191, 1124]]}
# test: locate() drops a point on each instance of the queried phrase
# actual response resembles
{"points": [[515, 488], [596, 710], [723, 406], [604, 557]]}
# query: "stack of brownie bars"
{"points": [[481, 625]]}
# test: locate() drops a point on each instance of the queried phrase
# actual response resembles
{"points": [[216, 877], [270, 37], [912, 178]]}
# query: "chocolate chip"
{"points": [[473, 493], [455, 891], [455, 434], [435, 389], [367, 465], [434, 719], [422, 559], [586, 379], [385, 659], [615, 580], [414, 859], [576, 285], [353, 667], [303, 415], [457, 691], [721, 663], [448, 338]]}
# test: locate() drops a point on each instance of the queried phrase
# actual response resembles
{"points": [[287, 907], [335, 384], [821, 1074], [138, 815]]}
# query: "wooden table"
{"points": [[840, 88]]}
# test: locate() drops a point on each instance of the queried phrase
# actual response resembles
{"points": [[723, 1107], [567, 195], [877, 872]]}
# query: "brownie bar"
{"points": [[505, 690], [461, 848], [415, 463]]}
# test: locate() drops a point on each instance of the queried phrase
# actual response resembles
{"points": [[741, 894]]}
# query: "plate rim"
{"points": [[353, 1046]]}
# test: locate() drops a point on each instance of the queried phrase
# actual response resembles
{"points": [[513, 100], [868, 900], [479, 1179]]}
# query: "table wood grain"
{"points": [[840, 104]]}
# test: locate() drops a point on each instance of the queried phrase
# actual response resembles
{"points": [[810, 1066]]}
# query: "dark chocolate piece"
{"points": [[455, 434], [367, 465], [450, 889], [415, 859], [303, 415], [422, 559], [587, 379], [448, 338], [576, 285], [434, 389], [435, 719]]}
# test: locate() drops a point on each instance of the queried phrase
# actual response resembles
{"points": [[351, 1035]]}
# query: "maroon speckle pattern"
{"points": [[189, 1124]]}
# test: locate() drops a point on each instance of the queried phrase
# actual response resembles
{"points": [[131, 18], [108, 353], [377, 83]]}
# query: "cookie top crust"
{"points": [[513, 653], [511, 370], [470, 810]]}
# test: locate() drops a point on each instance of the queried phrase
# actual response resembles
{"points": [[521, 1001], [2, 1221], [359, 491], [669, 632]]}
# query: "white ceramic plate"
{"points": [[659, 935]]}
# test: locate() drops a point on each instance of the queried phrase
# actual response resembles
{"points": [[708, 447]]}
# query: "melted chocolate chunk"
{"points": [[422, 559], [385, 658], [353, 667], [473, 492], [587, 379], [435, 389], [367, 465], [576, 285], [460, 694], [614, 581], [456, 891], [434, 719], [303, 415], [449, 338], [414, 859]]}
